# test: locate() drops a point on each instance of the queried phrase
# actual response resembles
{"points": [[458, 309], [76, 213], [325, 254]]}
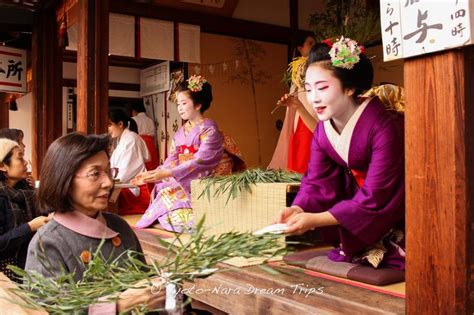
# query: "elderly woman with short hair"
{"points": [[76, 181]]}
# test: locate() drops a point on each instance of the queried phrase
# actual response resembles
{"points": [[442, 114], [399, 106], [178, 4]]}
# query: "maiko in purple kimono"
{"points": [[195, 152], [358, 176]]}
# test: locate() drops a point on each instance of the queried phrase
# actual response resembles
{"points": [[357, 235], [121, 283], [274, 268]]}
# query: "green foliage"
{"points": [[103, 277], [349, 18], [234, 184]]}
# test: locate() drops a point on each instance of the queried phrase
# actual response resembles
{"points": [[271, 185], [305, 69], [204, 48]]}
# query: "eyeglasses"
{"points": [[96, 174]]}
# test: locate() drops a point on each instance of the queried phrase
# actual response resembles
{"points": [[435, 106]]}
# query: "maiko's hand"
{"points": [[288, 213], [301, 222], [140, 178], [156, 176]]}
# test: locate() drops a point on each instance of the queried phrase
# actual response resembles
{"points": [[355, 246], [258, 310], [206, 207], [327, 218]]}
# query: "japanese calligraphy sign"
{"points": [[155, 79], [415, 27], [12, 70]]}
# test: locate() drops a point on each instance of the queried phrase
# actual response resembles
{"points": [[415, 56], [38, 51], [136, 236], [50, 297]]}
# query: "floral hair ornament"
{"points": [[195, 83], [345, 53]]}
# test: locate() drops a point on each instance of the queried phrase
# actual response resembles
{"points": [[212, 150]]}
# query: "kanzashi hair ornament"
{"points": [[345, 53], [195, 83]]}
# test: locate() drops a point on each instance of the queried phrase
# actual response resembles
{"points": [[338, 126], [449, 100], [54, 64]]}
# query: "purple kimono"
{"points": [[371, 214], [195, 152]]}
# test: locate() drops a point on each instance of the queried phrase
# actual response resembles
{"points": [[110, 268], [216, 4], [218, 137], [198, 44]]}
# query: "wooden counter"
{"points": [[251, 290]]}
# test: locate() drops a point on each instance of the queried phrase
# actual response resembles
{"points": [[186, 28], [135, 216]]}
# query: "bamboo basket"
{"points": [[248, 212]]}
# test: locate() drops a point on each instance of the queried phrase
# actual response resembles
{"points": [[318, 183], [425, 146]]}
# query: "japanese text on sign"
{"points": [[414, 27], [12, 70]]}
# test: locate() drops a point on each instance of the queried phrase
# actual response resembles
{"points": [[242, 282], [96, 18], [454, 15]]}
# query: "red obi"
{"points": [[186, 153]]}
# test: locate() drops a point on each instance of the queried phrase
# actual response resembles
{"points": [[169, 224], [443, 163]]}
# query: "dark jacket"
{"points": [[14, 238]]}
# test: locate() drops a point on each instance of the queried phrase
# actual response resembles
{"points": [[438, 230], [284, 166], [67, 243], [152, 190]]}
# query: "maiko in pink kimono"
{"points": [[198, 150]]}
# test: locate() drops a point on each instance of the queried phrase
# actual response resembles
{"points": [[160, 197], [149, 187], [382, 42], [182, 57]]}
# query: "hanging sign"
{"points": [[415, 27], [155, 79], [12, 70]]}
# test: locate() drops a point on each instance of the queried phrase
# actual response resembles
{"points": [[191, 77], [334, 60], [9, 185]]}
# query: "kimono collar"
{"points": [[342, 142], [84, 225], [188, 127], [124, 134]]}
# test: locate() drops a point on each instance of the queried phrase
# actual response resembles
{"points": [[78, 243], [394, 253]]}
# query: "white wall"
{"points": [[23, 119]]}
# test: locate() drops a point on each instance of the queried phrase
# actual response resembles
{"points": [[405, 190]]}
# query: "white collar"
{"points": [[341, 142]]}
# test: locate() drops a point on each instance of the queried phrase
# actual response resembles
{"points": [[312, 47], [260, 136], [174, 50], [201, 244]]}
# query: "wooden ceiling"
{"points": [[16, 20], [213, 7], [28, 5]]}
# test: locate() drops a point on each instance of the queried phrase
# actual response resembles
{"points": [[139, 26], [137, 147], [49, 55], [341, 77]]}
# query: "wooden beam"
{"points": [[117, 61], [46, 83], [439, 180], [227, 9], [12, 27], [112, 85], [92, 66], [209, 23]]}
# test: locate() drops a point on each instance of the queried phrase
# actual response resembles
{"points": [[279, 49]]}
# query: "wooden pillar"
{"points": [[293, 27], [47, 87], [4, 115], [92, 66], [439, 182]]}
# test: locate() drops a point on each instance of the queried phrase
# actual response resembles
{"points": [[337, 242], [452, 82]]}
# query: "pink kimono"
{"points": [[195, 153]]}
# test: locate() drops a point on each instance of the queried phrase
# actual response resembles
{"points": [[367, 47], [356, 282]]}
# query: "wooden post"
{"points": [[4, 115], [439, 182], [47, 88], [293, 4], [92, 66]]}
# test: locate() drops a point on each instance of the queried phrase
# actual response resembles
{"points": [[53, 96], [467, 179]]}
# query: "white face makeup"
{"points": [[326, 94], [186, 108]]}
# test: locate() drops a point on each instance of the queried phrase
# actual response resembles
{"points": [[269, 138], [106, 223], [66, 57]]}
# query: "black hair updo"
{"points": [[360, 77], [203, 97]]}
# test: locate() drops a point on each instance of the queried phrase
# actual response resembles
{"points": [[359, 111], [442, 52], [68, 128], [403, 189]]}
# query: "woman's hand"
{"points": [[153, 296], [290, 100], [138, 180], [298, 221], [30, 181], [288, 213], [301, 222], [38, 222], [304, 221], [151, 177], [156, 176]]}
